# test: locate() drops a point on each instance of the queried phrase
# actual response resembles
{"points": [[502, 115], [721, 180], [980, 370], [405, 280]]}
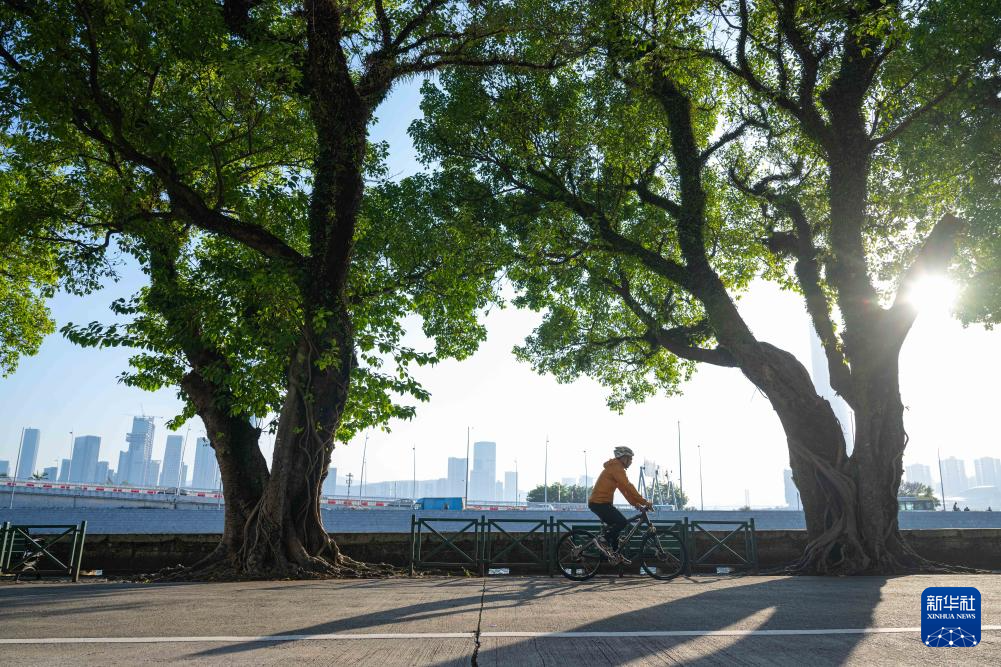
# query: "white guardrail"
{"points": [[170, 492]]}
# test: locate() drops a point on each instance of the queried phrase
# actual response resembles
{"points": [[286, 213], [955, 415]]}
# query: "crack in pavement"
{"points": [[479, 623]]}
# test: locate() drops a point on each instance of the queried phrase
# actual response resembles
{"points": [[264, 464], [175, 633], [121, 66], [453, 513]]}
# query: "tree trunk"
{"points": [[242, 468], [850, 503], [285, 535]]}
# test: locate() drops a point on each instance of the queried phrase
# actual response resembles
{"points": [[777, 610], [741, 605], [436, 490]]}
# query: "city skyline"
{"points": [[67, 389]]}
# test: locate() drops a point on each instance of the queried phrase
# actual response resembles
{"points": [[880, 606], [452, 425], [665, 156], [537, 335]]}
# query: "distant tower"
{"points": [[987, 471], [822, 383], [171, 475], [152, 473], [83, 465], [140, 452], [64, 470], [954, 476], [483, 478], [101, 476], [29, 453], [206, 467], [791, 492], [456, 476], [511, 485], [919, 473], [121, 474], [330, 483]]}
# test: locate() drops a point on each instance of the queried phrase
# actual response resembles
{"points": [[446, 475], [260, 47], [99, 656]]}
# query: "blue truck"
{"points": [[438, 504]]}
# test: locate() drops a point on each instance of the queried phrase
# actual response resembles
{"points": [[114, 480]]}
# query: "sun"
{"points": [[933, 293]]}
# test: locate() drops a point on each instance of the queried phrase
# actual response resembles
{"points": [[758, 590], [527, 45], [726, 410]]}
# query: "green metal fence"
{"points": [[739, 544], [431, 538], [24, 550], [502, 552], [480, 544]]}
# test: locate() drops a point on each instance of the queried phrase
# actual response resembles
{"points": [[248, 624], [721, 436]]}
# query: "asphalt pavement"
{"points": [[499, 620]]}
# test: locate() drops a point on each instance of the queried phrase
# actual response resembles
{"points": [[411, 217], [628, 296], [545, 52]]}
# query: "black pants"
{"points": [[611, 516]]}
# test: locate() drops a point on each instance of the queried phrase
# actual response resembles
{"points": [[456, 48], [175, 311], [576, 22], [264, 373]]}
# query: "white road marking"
{"points": [[230, 639]]}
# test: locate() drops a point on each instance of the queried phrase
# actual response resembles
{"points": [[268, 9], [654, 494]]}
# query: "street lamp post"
{"points": [[361, 482], [17, 464], [681, 479], [545, 474], [702, 502], [941, 479], [516, 481], [350, 477], [465, 494], [415, 472]]}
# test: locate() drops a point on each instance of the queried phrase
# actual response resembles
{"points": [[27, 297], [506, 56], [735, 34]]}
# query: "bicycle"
{"points": [[661, 555]]}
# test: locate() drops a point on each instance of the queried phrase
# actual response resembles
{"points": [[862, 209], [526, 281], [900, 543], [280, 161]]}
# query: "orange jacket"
{"points": [[611, 478]]}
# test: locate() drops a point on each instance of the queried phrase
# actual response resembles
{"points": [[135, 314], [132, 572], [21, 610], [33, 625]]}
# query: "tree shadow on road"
{"points": [[791, 603], [464, 609]]}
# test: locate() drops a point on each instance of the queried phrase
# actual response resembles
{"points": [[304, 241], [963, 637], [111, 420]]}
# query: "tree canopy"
{"points": [[700, 146]]}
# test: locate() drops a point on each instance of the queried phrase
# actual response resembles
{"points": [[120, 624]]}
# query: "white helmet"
{"points": [[622, 451]]}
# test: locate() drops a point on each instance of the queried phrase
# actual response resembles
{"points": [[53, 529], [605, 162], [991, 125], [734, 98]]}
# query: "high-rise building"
{"points": [[101, 475], [28, 457], [329, 487], [987, 471], [184, 475], [50, 474], [140, 451], [170, 477], [954, 476], [64, 470], [511, 486], [483, 479], [791, 492], [919, 473], [4, 468], [123, 468], [152, 473], [83, 465], [456, 477], [206, 475], [822, 383]]}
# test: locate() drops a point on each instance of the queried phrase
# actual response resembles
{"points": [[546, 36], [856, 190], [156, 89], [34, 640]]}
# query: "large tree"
{"points": [[227, 146], [705, 145]]}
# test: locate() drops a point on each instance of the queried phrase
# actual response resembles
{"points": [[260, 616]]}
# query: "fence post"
{"points": [[688, 538], [480, 545], [754, 546], [4, 528], [413, 523], [551, 546], [79, 551]]}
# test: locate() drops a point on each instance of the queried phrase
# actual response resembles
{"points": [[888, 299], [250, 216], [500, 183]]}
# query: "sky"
{"points": [[948, 382]]}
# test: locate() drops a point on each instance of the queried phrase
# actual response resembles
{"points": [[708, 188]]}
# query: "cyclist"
{"points": [[611, 478]]}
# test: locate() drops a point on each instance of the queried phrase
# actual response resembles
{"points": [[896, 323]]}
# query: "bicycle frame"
{"points": [[637, 521]]}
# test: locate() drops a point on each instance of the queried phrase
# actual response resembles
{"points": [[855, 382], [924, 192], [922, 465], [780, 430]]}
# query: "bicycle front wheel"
{"points": [[578, 556], [663, 556]]}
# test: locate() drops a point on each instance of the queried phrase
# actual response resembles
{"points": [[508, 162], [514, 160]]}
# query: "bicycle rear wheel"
{"points": [[577, 555], [663, 555]]}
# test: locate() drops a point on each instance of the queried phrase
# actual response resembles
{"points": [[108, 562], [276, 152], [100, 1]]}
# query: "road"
{"points": [[495, 621]]}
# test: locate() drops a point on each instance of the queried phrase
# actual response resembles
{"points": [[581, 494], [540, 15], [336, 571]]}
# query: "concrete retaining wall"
{"points": [[130, 554]]}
